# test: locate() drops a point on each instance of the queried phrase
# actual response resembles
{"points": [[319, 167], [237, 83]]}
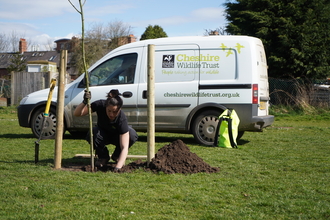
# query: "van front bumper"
{"points": [[24, 114]]}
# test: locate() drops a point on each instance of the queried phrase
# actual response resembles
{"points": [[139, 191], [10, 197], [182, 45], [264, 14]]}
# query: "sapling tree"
{"points": [[83, 52]]}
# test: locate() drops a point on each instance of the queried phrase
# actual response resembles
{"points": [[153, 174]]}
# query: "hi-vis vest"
{"points": [[227, 129]]}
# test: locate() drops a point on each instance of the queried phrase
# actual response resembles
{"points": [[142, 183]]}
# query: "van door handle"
{"points": [[127, 94], [144, 94]]}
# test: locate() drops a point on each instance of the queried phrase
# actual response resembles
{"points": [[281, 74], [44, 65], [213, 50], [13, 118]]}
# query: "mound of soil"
{"points": [[172, 158], [177, 158]]}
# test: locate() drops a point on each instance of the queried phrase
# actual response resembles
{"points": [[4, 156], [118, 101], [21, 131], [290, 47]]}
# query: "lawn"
{"points": [[281, 173]]}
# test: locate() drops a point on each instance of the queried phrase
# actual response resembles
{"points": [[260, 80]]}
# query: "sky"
{"points": [[44, 21]]}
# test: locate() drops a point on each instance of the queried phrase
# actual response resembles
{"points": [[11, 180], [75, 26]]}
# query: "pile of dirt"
{"points": [[172, 158], [177, 158]]}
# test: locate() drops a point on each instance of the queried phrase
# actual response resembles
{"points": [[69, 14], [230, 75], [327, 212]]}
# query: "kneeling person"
{"points": [[112, 128]]}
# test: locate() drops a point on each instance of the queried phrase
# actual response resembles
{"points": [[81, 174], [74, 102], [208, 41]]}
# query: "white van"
{"points": [[196, 78]]}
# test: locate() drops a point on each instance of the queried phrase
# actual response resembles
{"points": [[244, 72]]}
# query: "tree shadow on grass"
{"points": [[74, 163], [163, 138], [67, 164], [159, 137], [16, 136], [187, 140]]}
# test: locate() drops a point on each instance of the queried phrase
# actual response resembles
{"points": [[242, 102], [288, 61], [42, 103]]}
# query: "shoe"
{"points": [[101, 162]]}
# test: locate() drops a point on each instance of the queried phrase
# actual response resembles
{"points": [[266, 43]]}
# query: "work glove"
{"points": [[116, 170], [87, 95]]}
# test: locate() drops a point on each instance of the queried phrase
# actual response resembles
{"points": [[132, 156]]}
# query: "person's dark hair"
{"points": [[113, 98]]}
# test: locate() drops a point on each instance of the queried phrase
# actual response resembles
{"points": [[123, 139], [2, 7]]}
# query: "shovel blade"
{"points": [[36, 152]]}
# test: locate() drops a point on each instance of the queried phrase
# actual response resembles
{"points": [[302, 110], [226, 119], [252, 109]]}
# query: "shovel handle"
{"points": [[50, 94]]}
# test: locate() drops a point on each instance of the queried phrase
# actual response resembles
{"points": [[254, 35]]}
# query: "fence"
{"points": [[24, 83], [298, 92], [281, 91], [5, 88]]}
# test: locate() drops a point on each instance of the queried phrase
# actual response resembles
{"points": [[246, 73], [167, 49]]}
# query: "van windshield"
{"points": [[117, 70]]}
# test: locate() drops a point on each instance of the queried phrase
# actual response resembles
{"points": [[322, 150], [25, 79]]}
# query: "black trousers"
{"points": [[101, 138]]}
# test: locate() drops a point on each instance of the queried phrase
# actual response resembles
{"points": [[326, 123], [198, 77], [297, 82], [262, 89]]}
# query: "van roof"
{"points": [[184, 40], [188, 39]]}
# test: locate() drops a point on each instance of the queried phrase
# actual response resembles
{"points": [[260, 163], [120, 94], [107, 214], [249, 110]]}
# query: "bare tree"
{"points": [[99, 40], [50, 45], [95, 45], [10, 43], [217, 31], [31, 45], [115, 30], [3, 43], [14, 41], [97, 31]]}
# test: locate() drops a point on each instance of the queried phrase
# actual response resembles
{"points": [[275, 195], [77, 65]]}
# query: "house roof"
{"points": [[29, 56], [5, 59], [41, 62], [62, 39], [52, 56]]}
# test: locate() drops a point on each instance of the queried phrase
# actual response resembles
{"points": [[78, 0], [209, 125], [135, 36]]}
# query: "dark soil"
{"points": [[172, 158]]}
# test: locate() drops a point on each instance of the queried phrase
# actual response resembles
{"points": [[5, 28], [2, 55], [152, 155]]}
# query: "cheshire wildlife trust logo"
{"points": [[168, 61]]}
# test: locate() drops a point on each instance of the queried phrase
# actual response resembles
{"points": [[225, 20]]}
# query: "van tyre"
{"points": [[50, 125], [205, 125]]}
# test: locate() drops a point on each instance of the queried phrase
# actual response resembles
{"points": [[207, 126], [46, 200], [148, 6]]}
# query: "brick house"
{"points": [[36, 61], [42, 61]]}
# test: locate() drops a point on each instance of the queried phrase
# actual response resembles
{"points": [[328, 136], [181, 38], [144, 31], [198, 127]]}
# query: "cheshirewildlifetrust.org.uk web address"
{"points": [[202, 94]]}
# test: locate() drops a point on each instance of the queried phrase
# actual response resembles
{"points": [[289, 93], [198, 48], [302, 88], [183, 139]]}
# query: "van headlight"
{"points": [[23, 100]]}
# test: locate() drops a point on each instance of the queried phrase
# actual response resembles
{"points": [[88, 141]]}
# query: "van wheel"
{"points": [[205, 125], [50, 124]]}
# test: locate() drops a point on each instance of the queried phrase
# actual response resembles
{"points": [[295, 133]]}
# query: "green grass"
{"points": [[281, 173]]}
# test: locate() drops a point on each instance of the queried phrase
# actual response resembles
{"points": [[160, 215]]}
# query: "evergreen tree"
{"points": [[17, 63], [153, 32], [296, 33]]}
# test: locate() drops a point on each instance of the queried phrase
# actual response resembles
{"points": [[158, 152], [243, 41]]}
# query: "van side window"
{"points": [[117, 70]]}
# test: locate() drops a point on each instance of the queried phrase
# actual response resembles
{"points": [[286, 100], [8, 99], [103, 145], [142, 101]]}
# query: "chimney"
{"points": [[131, 38], [214, 33], [22, 45]]}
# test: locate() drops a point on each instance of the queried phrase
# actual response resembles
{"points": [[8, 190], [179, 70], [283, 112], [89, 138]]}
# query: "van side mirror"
{"points": [[82, 83]]}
